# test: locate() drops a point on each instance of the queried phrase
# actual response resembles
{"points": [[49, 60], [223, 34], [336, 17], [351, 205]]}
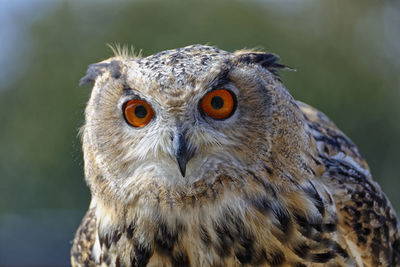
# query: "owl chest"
{"points": [[215, 237], [186, 239], [232, 233]]}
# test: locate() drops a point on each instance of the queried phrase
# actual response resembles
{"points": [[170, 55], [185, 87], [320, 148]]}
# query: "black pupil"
{"points": [[217, 102], [140, 111]]}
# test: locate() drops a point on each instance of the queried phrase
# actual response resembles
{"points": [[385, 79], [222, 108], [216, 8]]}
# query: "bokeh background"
{"points": [[347, 56]]}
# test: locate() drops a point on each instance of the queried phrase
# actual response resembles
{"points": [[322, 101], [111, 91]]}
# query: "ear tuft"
{"points": [[95, 70], [266, 60]]}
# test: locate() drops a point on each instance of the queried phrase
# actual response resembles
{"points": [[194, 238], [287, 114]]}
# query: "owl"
{"points": [[201, 157]]}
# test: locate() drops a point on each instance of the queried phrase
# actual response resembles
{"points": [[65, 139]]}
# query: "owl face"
{"points": [[182, 115]]}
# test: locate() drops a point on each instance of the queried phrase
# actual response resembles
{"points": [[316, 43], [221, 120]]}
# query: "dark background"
{"points": [[347, 56]]}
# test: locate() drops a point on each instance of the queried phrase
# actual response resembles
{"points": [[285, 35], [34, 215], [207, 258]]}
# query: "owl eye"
{"points": [[218, 104], [137, 113]]}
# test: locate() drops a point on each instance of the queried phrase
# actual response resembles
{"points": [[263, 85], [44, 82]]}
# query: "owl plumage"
{"points": [[275, 183]]}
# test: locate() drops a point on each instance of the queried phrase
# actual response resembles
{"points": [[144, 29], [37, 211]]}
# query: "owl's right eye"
{"points": [[137, 112]]}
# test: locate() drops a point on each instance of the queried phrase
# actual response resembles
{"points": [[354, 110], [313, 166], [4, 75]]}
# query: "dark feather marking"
{"points": [[328, 227], [341, 251], [265, 206], [106, 259], [306, 227], [262, 204], [317, 226], [316, 161], [99, 178], [244, 255], [237, 234], [204, 235], [283, 217], [193, 202], [115, 69], [313, 193], [357, 226], [308, 168], [225, 239], [328, 243], [396, 252], [268, 169], [259, 257], [180, 259], [327, 140], [129, 92], [304, 224], [116, 236], [268, 188], [275, 258], [366, 231], [301, 250], [141, 255], [299, 264], [165, 238], [130, 230], [220, 79], [344, 169], [361, 239], [105, 240], [246, 241], [322, 257]]}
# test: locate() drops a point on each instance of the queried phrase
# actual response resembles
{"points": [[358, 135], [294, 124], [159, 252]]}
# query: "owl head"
{"points": [[188, 114]]}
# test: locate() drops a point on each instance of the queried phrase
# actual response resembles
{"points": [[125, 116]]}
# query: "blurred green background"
{"points": [[347, 56]]}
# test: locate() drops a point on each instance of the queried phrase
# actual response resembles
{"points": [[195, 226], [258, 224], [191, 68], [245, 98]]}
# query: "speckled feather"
{"points": [[275, 184]]}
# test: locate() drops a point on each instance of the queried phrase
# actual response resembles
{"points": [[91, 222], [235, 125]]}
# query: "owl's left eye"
{"points": [[137, 112], [219, 104]]}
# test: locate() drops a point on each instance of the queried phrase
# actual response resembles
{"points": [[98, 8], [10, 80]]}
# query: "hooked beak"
{"points": [[181, 152]]}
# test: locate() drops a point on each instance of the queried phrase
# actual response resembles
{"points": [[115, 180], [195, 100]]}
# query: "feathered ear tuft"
{"points": [[95, 70], [266, 60]]}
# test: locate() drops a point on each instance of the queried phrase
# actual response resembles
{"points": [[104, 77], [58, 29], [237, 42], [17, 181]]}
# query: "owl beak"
{"points": [[181, 152]]}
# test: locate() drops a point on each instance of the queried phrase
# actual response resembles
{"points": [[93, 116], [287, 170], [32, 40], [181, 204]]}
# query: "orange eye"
{"points": [[218, 104], [137, 113]]}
